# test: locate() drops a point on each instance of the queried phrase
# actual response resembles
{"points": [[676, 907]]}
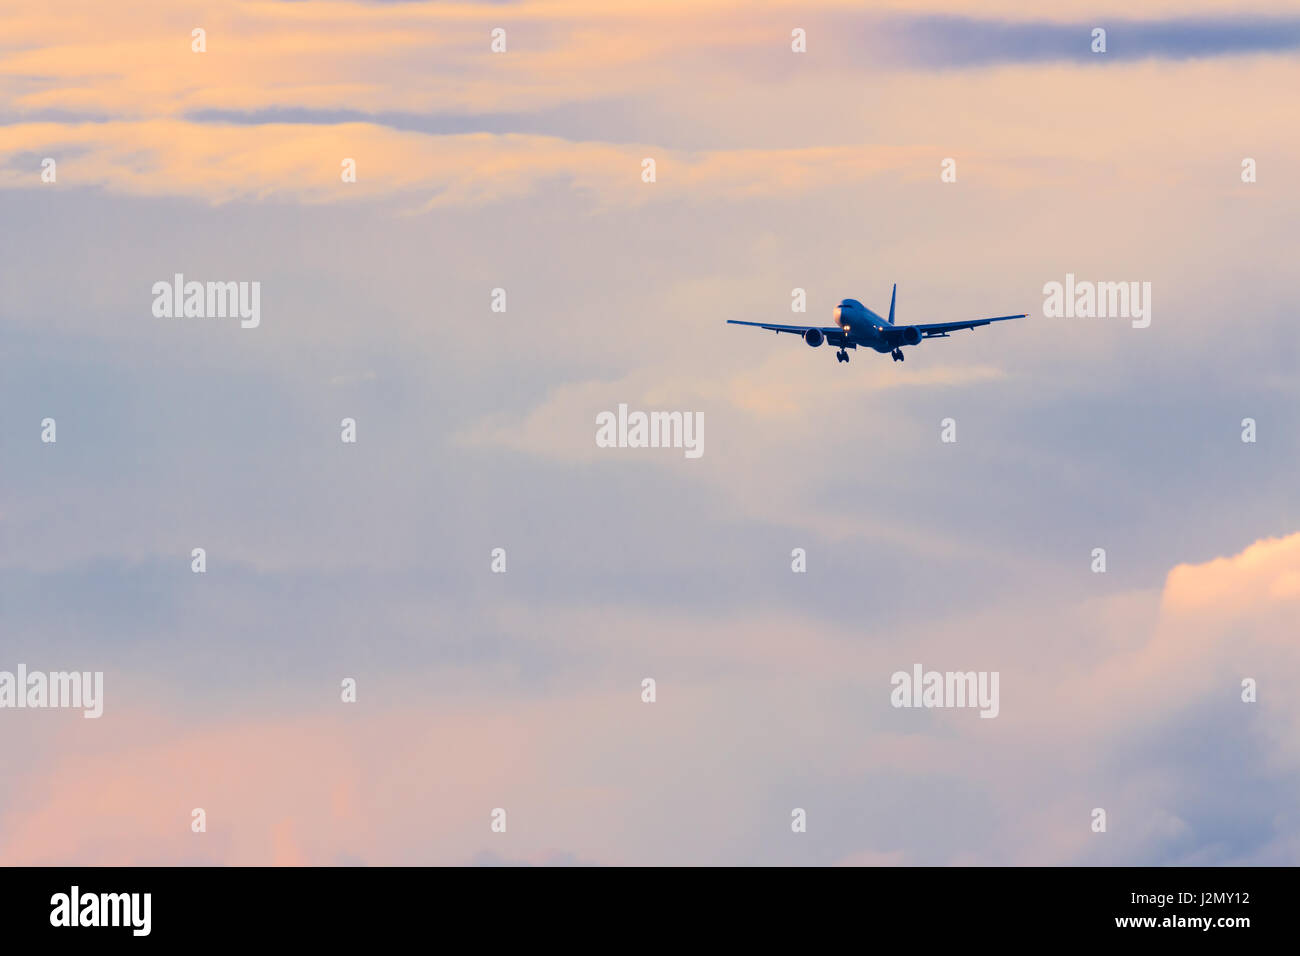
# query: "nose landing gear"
{"points": [[897, 354], [841, 356]]}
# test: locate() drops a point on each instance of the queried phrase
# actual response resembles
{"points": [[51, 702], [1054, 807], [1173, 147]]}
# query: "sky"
{"points": [[372, 561]]}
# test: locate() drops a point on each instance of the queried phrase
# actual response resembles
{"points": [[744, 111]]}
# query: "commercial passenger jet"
{"points": [[856, 325]]}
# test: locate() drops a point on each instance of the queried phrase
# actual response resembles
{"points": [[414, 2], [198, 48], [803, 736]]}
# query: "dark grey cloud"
{"points": [[70, 117], [438, 124], [605, 120], [947, 41]]}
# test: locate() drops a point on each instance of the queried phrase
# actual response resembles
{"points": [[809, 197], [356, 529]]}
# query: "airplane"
{"points": [[856, 325]]}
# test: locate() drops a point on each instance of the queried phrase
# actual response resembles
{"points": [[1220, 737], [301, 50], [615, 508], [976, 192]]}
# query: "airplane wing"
{"points": [[828, 331], [941, 329]]}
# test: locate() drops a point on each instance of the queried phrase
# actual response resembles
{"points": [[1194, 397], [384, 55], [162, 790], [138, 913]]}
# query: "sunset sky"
{"points": [[775, 170]]}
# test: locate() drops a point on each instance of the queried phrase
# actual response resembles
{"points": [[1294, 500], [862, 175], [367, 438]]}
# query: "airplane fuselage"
{"points": [[863, 327]]}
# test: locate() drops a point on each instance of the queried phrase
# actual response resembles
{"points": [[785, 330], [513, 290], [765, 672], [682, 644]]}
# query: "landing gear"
{"points": [[897, 354], [841, 356]]}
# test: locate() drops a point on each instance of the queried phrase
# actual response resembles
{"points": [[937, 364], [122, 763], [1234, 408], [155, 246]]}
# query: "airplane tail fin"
{"points": [[892, 297]]}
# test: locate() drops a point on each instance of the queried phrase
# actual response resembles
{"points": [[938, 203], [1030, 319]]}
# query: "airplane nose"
{"points": [[836, 312]]}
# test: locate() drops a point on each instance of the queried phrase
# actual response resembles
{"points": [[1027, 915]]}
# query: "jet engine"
{"points": [[815, 337], [910, 335]]}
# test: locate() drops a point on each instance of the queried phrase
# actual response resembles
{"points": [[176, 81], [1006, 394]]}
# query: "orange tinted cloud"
{"points": [[329, 787], [304, 162], [1267, 572]]}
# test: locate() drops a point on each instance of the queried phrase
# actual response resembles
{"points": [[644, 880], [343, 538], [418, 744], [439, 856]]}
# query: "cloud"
{"points": [[394, 779], [950, 42], [1266, 573], [435, 58], [304, 162]]}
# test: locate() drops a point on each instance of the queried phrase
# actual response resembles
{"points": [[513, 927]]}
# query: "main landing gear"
{"points": [[897, 354], [841, 356]]}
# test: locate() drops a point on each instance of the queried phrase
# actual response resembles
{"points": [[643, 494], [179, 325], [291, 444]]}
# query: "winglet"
{"points": [[891, 303]]}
